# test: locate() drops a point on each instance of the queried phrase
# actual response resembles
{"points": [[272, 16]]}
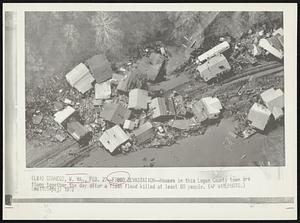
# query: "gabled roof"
{"points": [[138, 99], [144, 132], [259, 116], [64, 114], [80, 78], [112, 138], [161, 108], [115, 113], [103, 90], [100, 68], [273, 98]]}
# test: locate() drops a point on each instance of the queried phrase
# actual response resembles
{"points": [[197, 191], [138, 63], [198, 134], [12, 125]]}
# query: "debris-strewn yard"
{"points": [[221, 105]]}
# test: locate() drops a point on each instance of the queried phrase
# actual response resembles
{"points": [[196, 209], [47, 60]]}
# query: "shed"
{"points": [[161, 108], [80, 78], [213, 67], [138, 99], [220, 48], [100, 68], [114, 137], [103, 90], [64, 114], [115, 113], [144, 132], [259, 116]]}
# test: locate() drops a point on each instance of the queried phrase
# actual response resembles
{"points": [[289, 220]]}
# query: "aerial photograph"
{"points": [[154, 89]]}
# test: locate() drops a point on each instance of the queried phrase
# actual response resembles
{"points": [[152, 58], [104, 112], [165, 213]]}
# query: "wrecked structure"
{"points": [[80, 78], [162, 108], [213, 67], [274, 44]]}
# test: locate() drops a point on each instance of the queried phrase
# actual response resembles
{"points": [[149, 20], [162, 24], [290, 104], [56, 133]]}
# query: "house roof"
{"points": [[62, 115], [220, 48], [206, 107], [76, 130], [144, 132], [161, 107], [171, 84], [80, 78], [126, 83], [265, 44], [103, 90], [273, 98], [138, 99], [259, 116], [150, 66], [112, 138], [213, 67], [115, 113], [100, 67]]}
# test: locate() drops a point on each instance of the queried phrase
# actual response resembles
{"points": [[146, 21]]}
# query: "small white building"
{"points": [[103, 90], [259, 116], [138, 99], [274, 101], [207, 108], [114, 137], [80, 78], [64, 114]]}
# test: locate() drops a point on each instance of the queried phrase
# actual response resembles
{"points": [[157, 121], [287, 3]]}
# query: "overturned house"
{"points": [[259, 116], [214, 67], [162, 108], [113, 138], [207, 108], [100, 68], [80, 78], [144, 133], [115, 113]]}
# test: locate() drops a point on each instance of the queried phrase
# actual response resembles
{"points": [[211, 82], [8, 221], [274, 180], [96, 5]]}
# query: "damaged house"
{"points": [[207, 108], [274, 44], [138, 99], [80, 78], [144, 133], [274, 101], [259, 116], [113, 138], [115, 113], [162, 108], [132, 79], [69, 119], [220, 48], [100, 68], [103, 90], [214, 67]]}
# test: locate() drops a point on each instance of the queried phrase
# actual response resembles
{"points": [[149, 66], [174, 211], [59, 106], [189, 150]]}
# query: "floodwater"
{"points": [[216, 148]]}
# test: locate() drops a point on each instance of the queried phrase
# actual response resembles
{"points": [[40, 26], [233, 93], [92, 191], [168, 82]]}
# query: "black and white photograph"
{"points": [[154, 89]]}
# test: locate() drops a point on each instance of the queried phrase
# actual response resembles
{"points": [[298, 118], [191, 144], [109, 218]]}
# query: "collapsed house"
{"points": [[162, 108], [274, 44], [144, 133], [274, 101], [68, 118], [113, 138], [103, 90], [80, 78], [115, 113], [100, 67], [220, 48], [207, 108], [213, 67], [138, 99], [259, 116]]}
